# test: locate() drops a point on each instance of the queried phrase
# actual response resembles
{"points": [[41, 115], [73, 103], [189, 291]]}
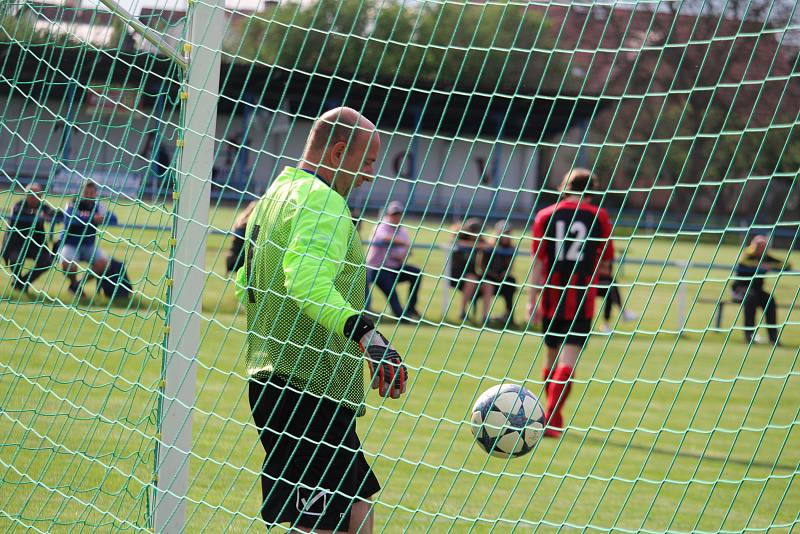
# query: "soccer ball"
{"points": [[507, 420]]}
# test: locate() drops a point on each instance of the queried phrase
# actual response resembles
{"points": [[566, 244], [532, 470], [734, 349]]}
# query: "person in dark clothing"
{"points": [[748, 287], [82, 219], [465, 273], [27, 238], [235, 258], [607, 289], [496, 262]]}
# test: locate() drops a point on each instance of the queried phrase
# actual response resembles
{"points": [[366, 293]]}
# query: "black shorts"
{"points": [[559, 332], [314, 467]]}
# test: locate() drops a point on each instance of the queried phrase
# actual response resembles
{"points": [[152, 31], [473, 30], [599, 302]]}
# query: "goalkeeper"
{"points": [[304, 286]]}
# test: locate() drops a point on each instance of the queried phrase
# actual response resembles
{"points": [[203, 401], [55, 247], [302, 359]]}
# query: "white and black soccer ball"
{"points": [[507, 420]]}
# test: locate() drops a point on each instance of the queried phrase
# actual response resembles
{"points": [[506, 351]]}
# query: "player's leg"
{"points": [[269, 411], [551, 395], [553, 340], [560, 387], [550, 356], [411, 274], [508, 291], [387, 282], [608, 307], [627, 315], [569, 354], [487, 292], [468, 287], [98, 260], [502, 288], [769, 306], [316, 483], [69, 264], [750, 306], [577, 332], [614, 298], [44, 259], [345, 473], [361, 520], [16, 261], [602, 293], [277, 409]]}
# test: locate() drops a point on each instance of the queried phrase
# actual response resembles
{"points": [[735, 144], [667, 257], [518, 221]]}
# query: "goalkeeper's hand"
{"points": [[389, 375]]}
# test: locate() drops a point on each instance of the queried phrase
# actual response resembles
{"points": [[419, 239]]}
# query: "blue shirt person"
{"points": [[79, 243]]}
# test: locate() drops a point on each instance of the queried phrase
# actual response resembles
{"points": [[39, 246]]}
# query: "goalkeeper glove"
{"points": [[388, 373]]}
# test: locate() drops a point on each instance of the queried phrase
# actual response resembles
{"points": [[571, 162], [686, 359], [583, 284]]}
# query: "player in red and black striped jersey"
{"points": [[571, 239]]}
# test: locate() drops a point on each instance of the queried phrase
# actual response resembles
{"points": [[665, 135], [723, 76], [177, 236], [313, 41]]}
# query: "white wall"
{"points": [[449, 176], [448, 171]]}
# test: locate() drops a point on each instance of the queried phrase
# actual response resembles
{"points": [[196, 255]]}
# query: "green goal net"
{"points": [[123, 345]]}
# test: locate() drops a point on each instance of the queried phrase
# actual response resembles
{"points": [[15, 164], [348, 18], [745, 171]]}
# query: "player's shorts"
{"points": [[314, 468], [559, 332], [86, 252]]}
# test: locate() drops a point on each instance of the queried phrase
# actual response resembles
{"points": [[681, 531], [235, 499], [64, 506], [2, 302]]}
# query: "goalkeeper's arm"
{"points": [[314, 254], [316, 249]]}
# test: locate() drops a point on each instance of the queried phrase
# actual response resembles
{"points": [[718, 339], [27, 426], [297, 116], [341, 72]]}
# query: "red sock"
{"points": [[557, 394]]}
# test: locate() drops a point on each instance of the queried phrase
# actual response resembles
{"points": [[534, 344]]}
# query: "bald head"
{"points": [[342, 149], [338, 125]]}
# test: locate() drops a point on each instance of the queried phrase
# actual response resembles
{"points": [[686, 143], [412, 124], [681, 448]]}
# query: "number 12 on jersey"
{"points": [[572, 248]]}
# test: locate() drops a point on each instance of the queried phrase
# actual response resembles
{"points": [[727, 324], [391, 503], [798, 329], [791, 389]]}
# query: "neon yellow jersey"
{"points": [[303, 277]]}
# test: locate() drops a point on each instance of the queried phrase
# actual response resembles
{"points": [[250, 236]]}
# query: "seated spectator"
{"points": [[465, 274], [496, 262], [27, 238], [235, 259], [82, 219], [749, 288], [387, 265]]}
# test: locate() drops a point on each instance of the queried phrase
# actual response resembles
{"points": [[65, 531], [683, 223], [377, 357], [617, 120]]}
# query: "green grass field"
{"points": [[667, 432]]}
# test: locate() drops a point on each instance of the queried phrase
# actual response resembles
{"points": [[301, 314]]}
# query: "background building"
{"points": [[630, 93]]}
